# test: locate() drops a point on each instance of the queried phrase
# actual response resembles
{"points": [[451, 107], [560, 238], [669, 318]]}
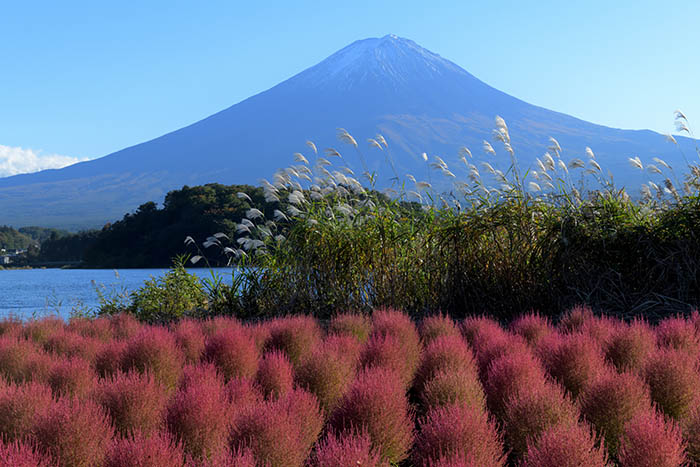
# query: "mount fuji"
{"points": [[419, 101]]}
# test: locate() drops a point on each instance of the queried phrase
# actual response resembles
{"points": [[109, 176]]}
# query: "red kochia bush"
{"points": [[677, 333], [96, 328], [21, 454], [508, 375], [153, 350], [350, 450], [275, 376], [220, 323], [533, 411], [376, 402], [134, 401], [575, 361], [630, 346], [108, 359], [565, 446], [20, 405], [691, 433], [674, 381], [601, 329], [448, 352], [650, 441], [458, 434], [124, 326], [395, 323], [611, 401], [296, 336], [386, 351], [328, 372], [76, 433], [72, 377], [279, 432], [476, 328], [459, 386], [203, 373], [190, 339], [70, 344], [21, 361], [233, 353], [345, 346], [351, 324], [10, 326], [241, 394], [574, 319], [260, 333], [489, 345], [198, 417], [437, 326], [532, 327], [137, 450], [39, 330]]}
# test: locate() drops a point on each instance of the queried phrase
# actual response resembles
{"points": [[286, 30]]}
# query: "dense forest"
{"points": [[25, 237]]}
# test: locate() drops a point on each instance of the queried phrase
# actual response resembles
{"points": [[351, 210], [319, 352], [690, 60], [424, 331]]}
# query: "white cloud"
{"points": [[15, 160]]}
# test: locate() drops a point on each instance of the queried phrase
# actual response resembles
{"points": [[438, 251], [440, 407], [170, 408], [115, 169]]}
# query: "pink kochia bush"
{"points": [[154, 350], [449, 352], [565, 446], [532, 327], [21, 361], [399, 325], [457, 434], [674, 380], [328, 371], [677, 333], [508, 375], [630, 346], [137, 450], [458, 386], [69, 344], [134, 401], [275, 376], [108, 358], [198, 417], [355, 325], [296, 336], [20, 405], [233, 352], [575, 360], [376, 403], [76, 433], [22, 454], [386, 351], [613, 400], [354, 449], [72, 377], [279, 432], [190, 339], [437, 326], [650, 441]]}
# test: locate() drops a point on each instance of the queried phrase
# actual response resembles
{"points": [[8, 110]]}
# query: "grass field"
{"points": [[355, 390]]}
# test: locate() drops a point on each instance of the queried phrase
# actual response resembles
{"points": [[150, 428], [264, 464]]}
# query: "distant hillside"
{"points": [[418, 100]]}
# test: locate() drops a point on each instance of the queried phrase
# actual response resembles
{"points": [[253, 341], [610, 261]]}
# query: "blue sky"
{"points": [[83, 79]]}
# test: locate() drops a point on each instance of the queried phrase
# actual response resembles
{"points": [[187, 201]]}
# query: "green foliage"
{"points": [[12, 239], [169, 297]]}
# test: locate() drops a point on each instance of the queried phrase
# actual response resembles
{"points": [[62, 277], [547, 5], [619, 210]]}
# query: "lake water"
{"points": [[38, 292]]}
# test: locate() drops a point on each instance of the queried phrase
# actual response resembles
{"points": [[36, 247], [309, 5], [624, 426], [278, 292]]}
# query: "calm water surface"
{"points": [[37, 292]]}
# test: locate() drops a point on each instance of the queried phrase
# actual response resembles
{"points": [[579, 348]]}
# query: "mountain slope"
{"points": [[418, 100]]}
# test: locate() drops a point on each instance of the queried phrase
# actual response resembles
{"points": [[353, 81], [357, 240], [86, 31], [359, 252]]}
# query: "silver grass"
{"points": [[678, 115], [240, 228], [271, 198], [635, 162], [374, 143], [540, 165], [322, 161], [423, 185], [425, 157], [554, 145], [331, 152], [488, 149], [548, 161], [661, 162], [305, 177], [280, 238], [546, 176], [348, 170], [247, 222], [595, 165], [653, 169], [389, 192], [299, 157], [447, 173], [253, 213], [316, 196], [244, 196], [670, 138], [294, 212], [189, 240], [416, 194], [381, 139], [346, 137], [488, 167], [589, 152], [411, 178], [534, 186], [576, 164], [464, 151], [312, 146], [562, 166]]}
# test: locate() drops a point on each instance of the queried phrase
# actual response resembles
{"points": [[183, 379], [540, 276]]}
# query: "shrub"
{"points": [[574, 319], [76, 433], [20, 405], [95, 328], [39, 330], [352, 449], [190, 339], [21, 361], [488, 348], [154, 350], [10, 326], [601, 329], [508, 375], [677, 333], [611, 401], [346, 347], [435, 326], [356, 325], [69, 344], [386, 351], [388, 322], [108, 359], [199, 417], [138, 450], [444, 352], [673, 378], [134, 401], [575, 362], [72, 377], [260, 333], [274, 375], [296, 336], [241, 395], [531, 412], [169, 297], [124, 326], [480, 328], [630, 346], [21, 454], [219, 323], [327, 373], [272, 432], [459, 386], [233, 353], [691, 433], [565, 446], [203, 373], [458, 434], [532, 327], [650, 441], [376, 402]]}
